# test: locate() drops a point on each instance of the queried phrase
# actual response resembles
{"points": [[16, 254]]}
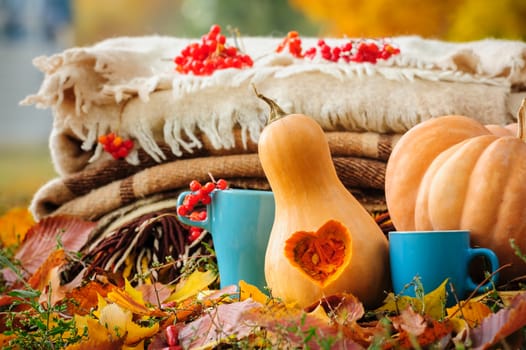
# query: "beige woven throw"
{"points": [[129, 85]]}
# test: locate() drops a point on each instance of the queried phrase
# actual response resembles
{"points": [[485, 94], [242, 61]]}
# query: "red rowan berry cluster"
{"points": [[350, 51], [200, 195], [211, 54], [292, 43], [116, 145]]}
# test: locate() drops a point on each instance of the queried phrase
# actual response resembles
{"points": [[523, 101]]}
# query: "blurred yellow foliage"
{"points": [[460, 20], [97, 19], [14, 225]]}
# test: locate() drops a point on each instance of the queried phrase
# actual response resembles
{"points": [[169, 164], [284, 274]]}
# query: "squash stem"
{"points": [[275, 110], [521, 120]]}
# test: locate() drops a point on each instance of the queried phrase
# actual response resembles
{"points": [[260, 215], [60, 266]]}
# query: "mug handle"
{"points": [[205, 224], [494, 262]]}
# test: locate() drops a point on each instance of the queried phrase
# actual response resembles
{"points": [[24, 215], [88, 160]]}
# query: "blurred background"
{"points": [[29, 28]]}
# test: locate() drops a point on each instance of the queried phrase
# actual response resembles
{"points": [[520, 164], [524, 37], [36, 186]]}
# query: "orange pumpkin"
{"points": [[452, 172], [323, 241]]}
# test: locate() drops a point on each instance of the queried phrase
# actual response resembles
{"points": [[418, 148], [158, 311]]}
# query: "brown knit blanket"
{"points": [[359, 158]]}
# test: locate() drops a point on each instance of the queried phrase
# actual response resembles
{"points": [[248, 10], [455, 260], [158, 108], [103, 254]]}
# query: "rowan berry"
{"points": [[209, 55]]}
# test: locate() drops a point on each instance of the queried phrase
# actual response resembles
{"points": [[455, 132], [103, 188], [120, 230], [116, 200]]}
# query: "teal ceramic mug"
{"points": [[240, 221], [435, 256]]}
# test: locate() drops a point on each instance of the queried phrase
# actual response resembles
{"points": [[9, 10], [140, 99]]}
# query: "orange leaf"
{"points": [[86, 297], [5, 339], [41, 277], [473, 312]]}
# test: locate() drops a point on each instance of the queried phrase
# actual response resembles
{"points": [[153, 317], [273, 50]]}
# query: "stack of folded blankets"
{"points": [[187, 127]]}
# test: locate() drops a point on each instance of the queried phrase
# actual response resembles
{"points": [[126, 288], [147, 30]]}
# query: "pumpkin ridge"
{"points": [[451, 181], [411, 158], [497, 235], [486, 190]]}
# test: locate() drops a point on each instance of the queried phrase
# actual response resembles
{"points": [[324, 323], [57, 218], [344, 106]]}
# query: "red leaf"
{"points": [[42, 239], [154, 293], [218, 324]]}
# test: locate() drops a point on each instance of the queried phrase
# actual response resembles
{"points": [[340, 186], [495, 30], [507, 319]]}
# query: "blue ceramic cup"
{"points": [[240, 222], [434, 256]]}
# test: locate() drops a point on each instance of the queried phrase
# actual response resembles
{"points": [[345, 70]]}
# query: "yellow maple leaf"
{"points": [[98, 336], [112, 328], [114, 319], [507, 296], [119, 324], [101, 303], [195, 283], [14, 225], [248, 290], [433, 303]]}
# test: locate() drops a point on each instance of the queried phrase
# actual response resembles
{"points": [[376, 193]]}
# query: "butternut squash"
{"points": [[323, 241]]}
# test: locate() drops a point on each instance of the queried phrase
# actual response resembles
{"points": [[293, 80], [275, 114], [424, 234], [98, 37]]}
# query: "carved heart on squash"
{"points": [[321, 254]]}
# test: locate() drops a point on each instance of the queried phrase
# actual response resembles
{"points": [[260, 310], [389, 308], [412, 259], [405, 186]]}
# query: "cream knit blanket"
{"points": [[129, 85]]}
